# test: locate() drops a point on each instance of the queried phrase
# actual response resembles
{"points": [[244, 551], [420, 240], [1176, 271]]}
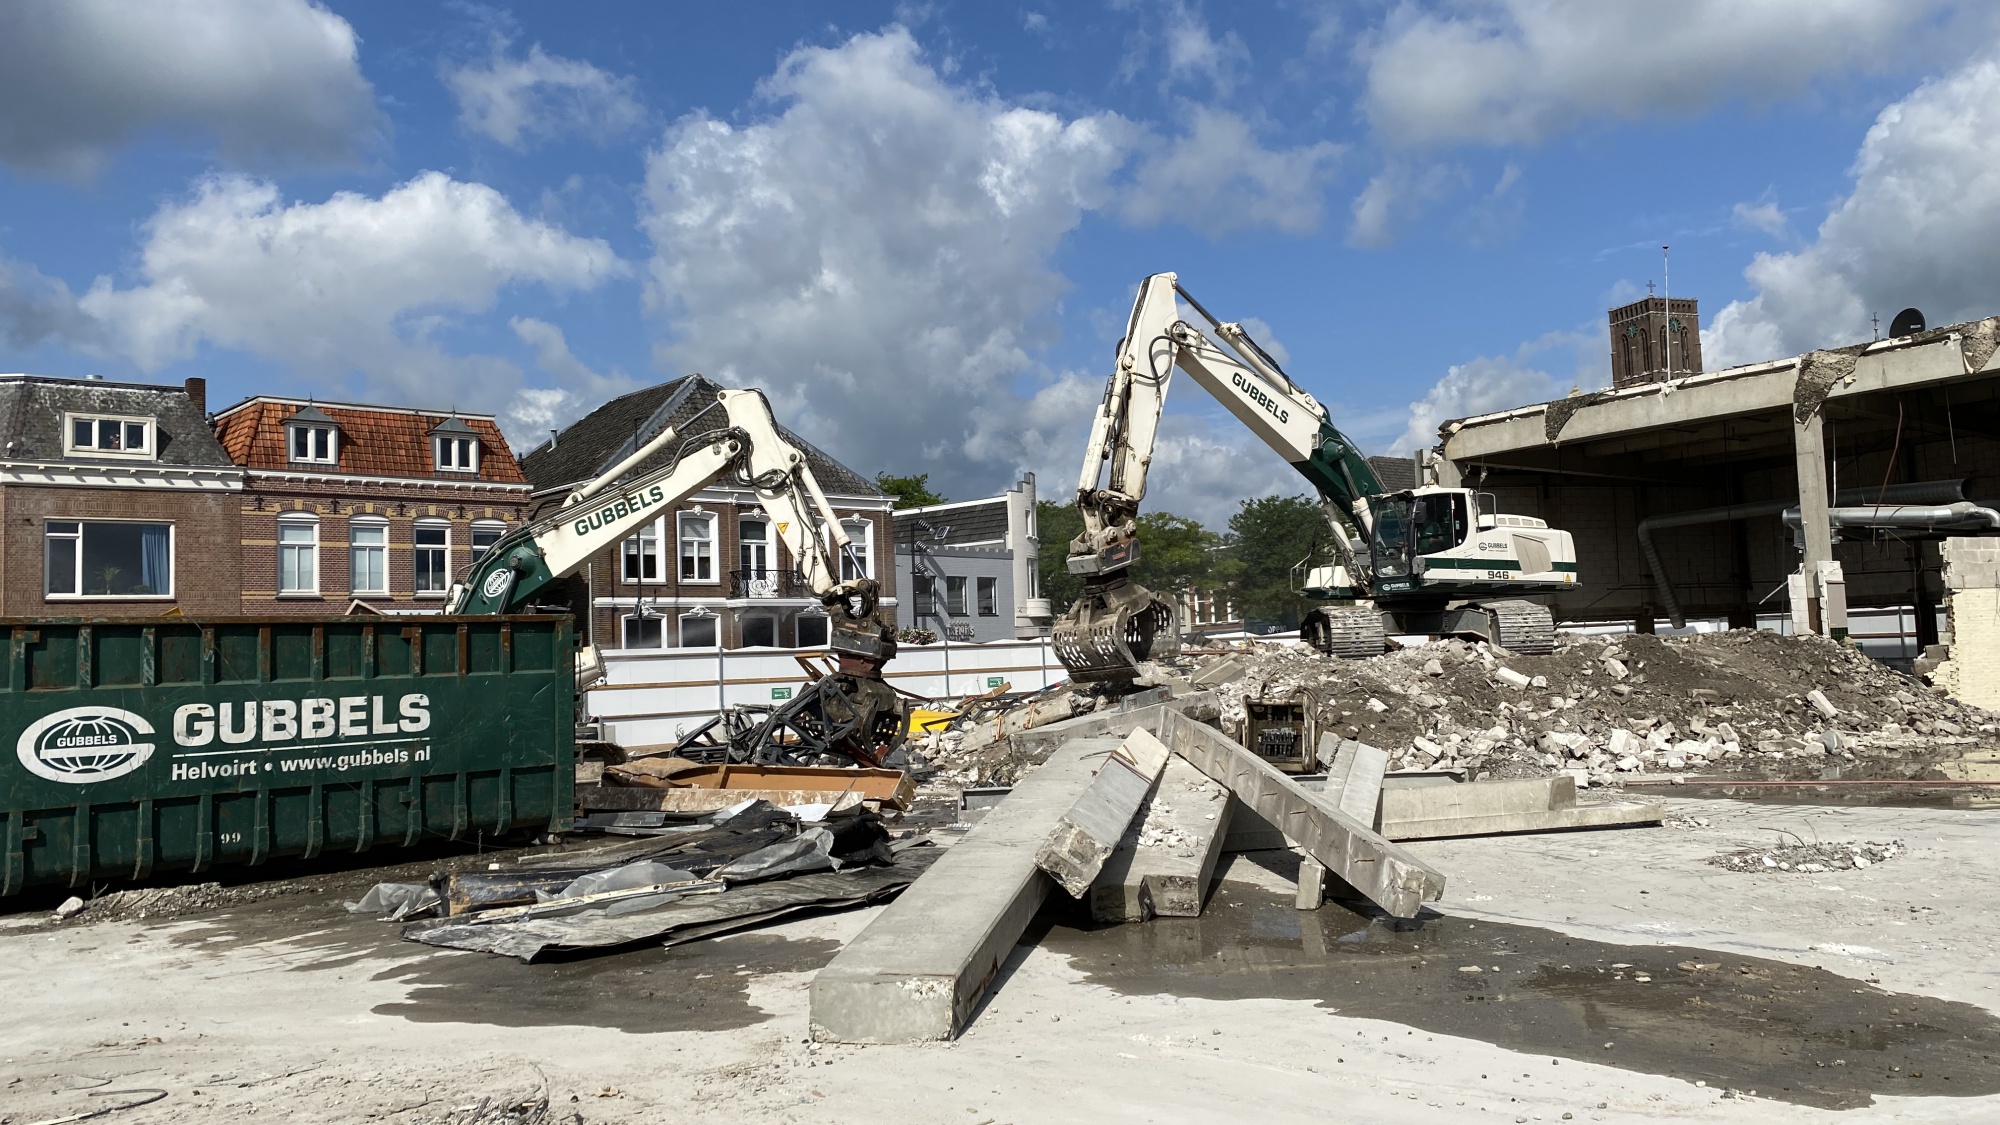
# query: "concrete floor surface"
{"points": [[294, 1010]]}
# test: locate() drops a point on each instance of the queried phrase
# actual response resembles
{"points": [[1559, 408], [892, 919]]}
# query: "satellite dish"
{"points": [[1908, 322]]}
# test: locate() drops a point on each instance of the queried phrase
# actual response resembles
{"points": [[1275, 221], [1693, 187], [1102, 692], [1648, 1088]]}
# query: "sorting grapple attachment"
{"points": [[1114, 628]]}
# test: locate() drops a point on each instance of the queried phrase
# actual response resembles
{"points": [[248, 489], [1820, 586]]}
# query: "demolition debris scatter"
{"points": [[1811, 859]]}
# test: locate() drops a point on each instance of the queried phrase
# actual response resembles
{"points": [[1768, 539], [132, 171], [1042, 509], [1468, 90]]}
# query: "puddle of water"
{"points": [[701, 986], [1793, 1033]]}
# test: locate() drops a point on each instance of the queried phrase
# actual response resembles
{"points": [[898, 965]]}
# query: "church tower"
{"points": [[1643, 333]]}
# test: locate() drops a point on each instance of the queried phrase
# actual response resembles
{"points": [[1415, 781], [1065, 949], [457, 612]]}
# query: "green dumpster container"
{"points": [[144, 746]]}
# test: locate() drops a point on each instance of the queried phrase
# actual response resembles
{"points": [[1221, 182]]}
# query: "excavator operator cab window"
{"points": [[1390, 546], [1441, 522]]}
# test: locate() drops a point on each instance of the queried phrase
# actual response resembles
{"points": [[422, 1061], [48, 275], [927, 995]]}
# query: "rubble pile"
{"points": [[1601, 708], [1810, 859]]}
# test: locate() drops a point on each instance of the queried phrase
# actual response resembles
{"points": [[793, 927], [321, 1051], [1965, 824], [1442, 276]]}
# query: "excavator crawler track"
{"points": [[1519, 626], [1347, 632]]}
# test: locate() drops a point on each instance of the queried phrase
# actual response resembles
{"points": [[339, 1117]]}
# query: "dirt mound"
{"points": [[1745, 701]]}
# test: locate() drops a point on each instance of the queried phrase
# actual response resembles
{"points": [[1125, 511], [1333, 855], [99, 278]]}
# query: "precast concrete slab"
{"points": [[1166, 861], [1484, 808], [920, 968]]}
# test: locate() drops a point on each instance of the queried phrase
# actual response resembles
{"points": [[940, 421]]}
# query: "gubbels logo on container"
{"points": [[80, 745]]}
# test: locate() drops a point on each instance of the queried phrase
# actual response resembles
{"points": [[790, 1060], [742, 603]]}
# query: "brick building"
{"points": [[711, 570], [373, 504], [115, 499]]}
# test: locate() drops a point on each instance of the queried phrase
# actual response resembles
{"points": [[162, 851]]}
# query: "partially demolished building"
{"points": [[1849, 477]]}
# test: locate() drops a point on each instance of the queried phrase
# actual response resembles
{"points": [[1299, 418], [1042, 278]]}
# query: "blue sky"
{"points": [[920, 227]]}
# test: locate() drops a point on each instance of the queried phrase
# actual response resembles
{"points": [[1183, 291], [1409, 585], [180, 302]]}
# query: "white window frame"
{"points": [[150, 427], [681, 542], [765, 544], [460, 448], [311, 430], [76, 564], [625, 630], [864, 548], [680, 626], [416, 551], [308, 551], [954, 595], [354, 550], [635, 548], [496, 528], [982, 586]]}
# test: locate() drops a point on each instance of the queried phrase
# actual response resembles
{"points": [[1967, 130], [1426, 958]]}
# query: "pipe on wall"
{"points": [[1939, 494]]}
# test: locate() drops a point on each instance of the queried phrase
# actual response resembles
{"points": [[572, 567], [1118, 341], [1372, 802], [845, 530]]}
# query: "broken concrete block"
{"points": [[1480, 808], [1822, 704], [70, 908], [1390, 877], [921, 967], [1354, 779], [1511, 678], [1312, 885], [1221, 670], [1615, 668], [1165, 862], [1079, 843]]}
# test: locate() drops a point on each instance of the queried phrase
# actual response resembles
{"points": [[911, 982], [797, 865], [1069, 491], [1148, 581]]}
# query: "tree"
{"points": [[1057, 524], [909, 492], [1268, 536], [1175, 554]]}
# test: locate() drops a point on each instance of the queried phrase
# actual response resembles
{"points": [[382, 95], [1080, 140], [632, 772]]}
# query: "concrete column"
{"points": [[1809, 452]]}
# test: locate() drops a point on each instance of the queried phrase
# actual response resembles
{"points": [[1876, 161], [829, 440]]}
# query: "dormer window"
{"points": [[312, 438], [455, 447], [97, 435]]}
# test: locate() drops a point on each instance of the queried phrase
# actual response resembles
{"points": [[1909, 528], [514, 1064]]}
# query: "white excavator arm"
{"points": [[597, 516]]}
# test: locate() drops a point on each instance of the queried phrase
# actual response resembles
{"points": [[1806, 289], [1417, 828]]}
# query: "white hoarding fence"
{"points": [[655, 696]]}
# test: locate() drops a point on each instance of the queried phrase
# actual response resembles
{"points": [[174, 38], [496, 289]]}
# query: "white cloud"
{"points": [[877, 253], [1394, 195], [578, 390], [352, 287], [1490, 383], [1519, 71], [35, 308], [1917, 230], [1217, 177], [541, 96], [270, 80], [1764, 216], [1171, 41]]}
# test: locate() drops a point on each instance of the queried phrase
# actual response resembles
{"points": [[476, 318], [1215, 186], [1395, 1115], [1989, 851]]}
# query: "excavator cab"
{"points": [[1410, 527]]}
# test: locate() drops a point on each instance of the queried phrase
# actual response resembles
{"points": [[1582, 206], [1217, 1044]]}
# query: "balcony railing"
{"points": [[768, 582]]}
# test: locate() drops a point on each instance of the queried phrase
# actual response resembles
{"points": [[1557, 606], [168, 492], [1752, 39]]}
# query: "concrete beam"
{"points": [[1167, 859], [1757, 388], [1389, 876], [1076, 848], [1815, 527], [919, 969], [1483, 808]]}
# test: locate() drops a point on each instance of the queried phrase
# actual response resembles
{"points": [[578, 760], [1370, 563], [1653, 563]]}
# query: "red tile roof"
{"points": [[373, 442]]}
